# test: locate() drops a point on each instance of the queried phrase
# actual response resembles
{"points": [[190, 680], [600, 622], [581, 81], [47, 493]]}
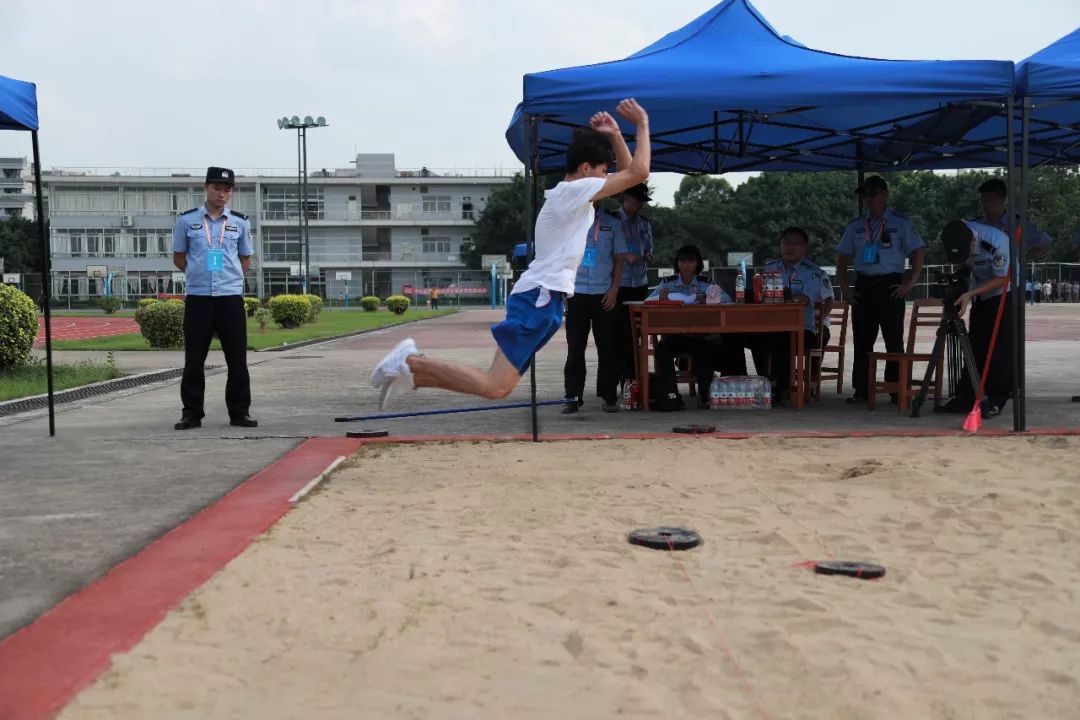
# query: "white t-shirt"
{"points": [[561, 230]]}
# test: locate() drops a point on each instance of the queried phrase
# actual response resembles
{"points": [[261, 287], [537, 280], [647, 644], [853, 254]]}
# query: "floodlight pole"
{"points": [[301, 127]]}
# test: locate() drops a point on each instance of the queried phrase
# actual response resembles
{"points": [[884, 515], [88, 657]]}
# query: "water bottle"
{"points": [[714, 393], [627, 403], [740, 288], [759, 290], [635, 395]]}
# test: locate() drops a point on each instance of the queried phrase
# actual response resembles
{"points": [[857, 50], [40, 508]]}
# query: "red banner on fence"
{"points": [[452, 291]]}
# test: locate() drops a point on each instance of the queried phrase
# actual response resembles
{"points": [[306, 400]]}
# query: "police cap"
{"points": [[225, 176], [956, 236]]}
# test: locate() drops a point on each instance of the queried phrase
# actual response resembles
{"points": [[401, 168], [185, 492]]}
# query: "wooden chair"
{"points": [[924, 313], [838, 325]]}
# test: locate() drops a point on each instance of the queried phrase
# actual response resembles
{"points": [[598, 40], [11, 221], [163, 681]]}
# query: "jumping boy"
{"points": [[535, 307]]}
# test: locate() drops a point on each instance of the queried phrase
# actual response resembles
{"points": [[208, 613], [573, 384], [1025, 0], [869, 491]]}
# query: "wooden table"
{"points": [[650, 320]]}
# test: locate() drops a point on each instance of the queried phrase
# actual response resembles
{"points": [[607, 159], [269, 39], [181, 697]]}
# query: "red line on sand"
{"points": [[45, 664]]}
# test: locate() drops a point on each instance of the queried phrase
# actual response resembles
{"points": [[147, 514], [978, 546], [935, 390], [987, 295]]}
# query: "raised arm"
{"points": [[636, 171]]}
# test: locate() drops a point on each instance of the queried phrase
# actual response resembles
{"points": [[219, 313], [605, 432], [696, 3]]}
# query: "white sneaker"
{"points": [[393, 374], [396, 387], [390, 366]]}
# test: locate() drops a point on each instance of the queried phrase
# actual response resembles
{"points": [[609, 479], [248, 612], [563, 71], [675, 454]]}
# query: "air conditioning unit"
{"points": [[127, 221]]}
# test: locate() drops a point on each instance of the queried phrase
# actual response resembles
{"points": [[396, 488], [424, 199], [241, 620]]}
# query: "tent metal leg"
{"points": [[46, 273], [530, 228]]}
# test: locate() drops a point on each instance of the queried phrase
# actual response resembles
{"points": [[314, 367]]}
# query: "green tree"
{"points": [[19, 245], [501, 225]]}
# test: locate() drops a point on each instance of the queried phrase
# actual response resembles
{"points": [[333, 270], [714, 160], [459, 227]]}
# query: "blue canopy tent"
{"points": [[18, 111], [727, 93]]}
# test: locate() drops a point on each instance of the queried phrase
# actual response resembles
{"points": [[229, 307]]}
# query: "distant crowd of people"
{"points": [[1052, 291]]}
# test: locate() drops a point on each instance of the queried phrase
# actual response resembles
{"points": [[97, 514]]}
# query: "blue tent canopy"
{"points": [[18, 105], [1050, 82], [727, 92]]}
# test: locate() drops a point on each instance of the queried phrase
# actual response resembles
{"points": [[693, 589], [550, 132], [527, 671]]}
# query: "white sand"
{"points": [[495, 581]]}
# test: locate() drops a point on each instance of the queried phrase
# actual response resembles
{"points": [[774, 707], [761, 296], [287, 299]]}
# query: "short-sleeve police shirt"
{"points": [[893, 235], [195, 233]]}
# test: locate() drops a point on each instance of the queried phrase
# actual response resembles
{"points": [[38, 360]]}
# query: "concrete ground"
{"points": [[117, 476]]}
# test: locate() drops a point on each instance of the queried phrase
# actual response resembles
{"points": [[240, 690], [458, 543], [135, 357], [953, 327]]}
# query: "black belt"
{"points": [[890, 278]]}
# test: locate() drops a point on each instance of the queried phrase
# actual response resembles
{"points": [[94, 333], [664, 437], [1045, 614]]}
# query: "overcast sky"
{"points": [[149, 84]]}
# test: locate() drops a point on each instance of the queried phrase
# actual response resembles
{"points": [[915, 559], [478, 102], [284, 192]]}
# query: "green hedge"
{"points": [[18, 326], [146, 302], [316, 304], [370, 303], [251, 305], [397, 304], [162, 323], [289, 311]]}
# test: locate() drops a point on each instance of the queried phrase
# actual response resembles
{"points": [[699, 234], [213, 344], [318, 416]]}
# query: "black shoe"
{"points": [[187, 422], [570, 406], [1076, 398], [856, 400], [610, 407], [243, 421], [703, 403], [894, 399], [956, 406]]}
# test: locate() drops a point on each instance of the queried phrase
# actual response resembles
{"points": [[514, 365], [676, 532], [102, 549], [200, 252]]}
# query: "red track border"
{"points": [[45, 664]]}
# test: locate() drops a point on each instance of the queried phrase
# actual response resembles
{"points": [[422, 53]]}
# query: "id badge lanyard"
{"points": [[588, 260], [215, 258], [870, 250]]}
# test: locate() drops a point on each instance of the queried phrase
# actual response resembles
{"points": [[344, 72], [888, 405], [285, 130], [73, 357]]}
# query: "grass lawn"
{"points": [[32, 380], [331, 323]]}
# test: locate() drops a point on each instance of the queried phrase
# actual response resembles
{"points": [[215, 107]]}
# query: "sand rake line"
{"points": [[744, 677]]}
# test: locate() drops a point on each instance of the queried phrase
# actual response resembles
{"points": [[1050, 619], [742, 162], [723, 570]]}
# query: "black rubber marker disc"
{"points": [[864, 571], [694, 429], [367, 433], [665, 538]]}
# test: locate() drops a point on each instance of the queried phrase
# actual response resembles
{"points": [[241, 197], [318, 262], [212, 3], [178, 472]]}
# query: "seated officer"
{"points": [[985, 252], [688, 287], [807, 284]]}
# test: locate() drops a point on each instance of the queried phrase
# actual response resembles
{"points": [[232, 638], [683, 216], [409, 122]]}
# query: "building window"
{"points": [[281, 244], [436, 246], [282, 202], [436, 203], [466, 208]]}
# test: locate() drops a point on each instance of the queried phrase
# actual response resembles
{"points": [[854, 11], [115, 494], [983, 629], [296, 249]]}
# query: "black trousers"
{"points": [[773, 351], [624, 337], [999, 383], [876, 308], [585, 314], [203, 318], [699, 347]]}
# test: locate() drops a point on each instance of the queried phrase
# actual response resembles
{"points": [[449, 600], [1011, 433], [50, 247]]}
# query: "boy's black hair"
{"points": [[996, 186], [588, 146], [690, 252], [796, 230]]}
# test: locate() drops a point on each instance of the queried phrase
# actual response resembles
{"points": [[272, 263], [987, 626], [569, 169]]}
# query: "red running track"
{"points": [[81, 328]]}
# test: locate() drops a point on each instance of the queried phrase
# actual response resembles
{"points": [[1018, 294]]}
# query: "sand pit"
{"points": [[495, 581]]}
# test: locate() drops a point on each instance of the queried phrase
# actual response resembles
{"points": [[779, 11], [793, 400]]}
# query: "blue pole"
{"points": [[494, 290], [391, 416]]}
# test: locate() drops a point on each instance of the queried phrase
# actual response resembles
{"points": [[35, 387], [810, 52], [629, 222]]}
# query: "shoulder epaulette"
{"points": [[189, 211], [242, 216], [988, 246]]}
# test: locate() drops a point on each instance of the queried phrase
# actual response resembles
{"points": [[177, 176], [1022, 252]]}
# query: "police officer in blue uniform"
{"points": [[212, 246], [992, 197], [805, 283], [878, 244], [593, 307], [686, 286], [635, 279], [985, 252]]}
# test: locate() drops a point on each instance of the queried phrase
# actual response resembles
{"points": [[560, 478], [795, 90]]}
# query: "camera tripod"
{"points": [[953, 343]]}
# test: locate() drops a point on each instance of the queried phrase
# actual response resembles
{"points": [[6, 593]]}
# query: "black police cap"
{"points": [[956, 236], [225, 176], [994, 185], [871, 186]]}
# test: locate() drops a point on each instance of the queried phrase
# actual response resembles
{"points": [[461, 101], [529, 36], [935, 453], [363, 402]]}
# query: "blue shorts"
{"points": [[527, 328]]}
